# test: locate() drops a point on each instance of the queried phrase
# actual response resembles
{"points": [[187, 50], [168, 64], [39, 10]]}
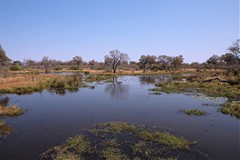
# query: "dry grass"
{"points": [[4, 129], [24, 81], [10, 111]]}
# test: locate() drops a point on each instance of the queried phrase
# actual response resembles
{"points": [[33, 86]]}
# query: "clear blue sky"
{"points": [[62, 29]]}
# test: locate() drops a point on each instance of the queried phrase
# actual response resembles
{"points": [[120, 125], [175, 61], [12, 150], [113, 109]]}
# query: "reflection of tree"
{"points": [[116, 89], [62, 92], [154, 79], [4, 101]]}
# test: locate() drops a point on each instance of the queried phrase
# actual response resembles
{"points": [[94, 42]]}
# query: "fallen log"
{"points": [[220, 80]]}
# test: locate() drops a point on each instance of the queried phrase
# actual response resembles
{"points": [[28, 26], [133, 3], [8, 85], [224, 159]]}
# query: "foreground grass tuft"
{"points": [[195, 112], [10, 111], [231, 108], [4, 129], [122, 141], [165, 138], [209, 89]]}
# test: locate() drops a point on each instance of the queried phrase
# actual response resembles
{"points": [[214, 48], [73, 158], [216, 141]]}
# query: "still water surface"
{"points": [[51, 118]]}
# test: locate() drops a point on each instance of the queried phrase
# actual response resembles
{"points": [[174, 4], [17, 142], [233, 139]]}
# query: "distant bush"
{"points": [[75, 68], [15, 67], [57, 68]]}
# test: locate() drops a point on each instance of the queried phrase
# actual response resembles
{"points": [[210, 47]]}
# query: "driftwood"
{"points": [[220, 80]]}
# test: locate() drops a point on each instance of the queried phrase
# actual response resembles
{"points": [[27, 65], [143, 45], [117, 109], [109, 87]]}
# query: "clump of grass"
{"points": [[4, 129], [111, 143], [117, 127], [231, 108], [99, 77], [73, 148], [165, 138], [112, 153], [139, 147], [26, 84], [195, 112], [211, 104], [10, 111], [119, 141], [209, 89]]}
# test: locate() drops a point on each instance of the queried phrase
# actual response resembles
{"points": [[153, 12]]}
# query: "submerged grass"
{"points": [[111, 153], [231, 108], [71, 149], [121, 141], [195, 112], [165, 138], [4, 129]]}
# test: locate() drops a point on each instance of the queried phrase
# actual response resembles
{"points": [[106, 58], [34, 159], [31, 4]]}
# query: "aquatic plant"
{"points": [[10, 111], [195, 112], [165, 138], [4, 129], [120, 141], [209, 89], [99, 77], [232, 108]]}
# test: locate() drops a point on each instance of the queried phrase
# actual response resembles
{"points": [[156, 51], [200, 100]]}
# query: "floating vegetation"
{"points": [[123, 141], [100, 77], [4, 129], [10, 111], [209, 89], [231, 108], [211, 104], [195, 112]]}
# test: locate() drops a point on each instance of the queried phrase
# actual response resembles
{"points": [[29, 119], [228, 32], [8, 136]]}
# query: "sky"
{"points": [[62, 29]]}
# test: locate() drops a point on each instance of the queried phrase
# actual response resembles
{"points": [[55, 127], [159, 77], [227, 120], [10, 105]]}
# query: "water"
{"points": [[52, 118]]}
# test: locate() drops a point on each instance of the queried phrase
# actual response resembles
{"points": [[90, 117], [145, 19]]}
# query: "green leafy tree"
{"points": [[3, 57], [164, 61]]}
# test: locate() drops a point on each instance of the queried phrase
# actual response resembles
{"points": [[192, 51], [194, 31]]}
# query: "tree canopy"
{"points": [[3, 57], [115, 59]]}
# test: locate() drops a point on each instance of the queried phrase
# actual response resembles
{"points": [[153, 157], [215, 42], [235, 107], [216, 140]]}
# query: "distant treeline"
{"points": [[118, 60]]}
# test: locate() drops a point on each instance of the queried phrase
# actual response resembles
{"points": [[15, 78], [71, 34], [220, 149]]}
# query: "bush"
{"points": [[15, 67], [75, 68], [57, 68]]}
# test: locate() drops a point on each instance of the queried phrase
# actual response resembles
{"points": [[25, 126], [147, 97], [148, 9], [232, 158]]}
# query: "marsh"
{"points": [[52, 117]]}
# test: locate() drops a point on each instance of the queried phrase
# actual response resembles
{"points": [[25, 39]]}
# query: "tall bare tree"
{"points": [[115, 59], [46, 64], [77, 60]]}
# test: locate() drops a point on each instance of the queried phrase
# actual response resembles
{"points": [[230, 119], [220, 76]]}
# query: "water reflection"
{"points": [[63, 92], [146, 80], [116, 89], [4, 101]]}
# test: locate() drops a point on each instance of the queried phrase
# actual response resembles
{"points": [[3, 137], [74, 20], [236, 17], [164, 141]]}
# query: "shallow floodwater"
{"points": [[51, 118]]}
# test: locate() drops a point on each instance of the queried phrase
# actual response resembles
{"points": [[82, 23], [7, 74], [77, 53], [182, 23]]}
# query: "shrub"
{"points": [[15, 67]]}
